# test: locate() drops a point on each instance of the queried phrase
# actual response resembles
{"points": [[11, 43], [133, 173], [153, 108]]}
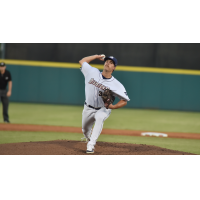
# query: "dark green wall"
{"points": [[66, 86], [47, 85], [162, 91]]}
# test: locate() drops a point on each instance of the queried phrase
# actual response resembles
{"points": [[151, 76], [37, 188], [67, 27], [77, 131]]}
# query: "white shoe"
{"points": [[90, 148]]}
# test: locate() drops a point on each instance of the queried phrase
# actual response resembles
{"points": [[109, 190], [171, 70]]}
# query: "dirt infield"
{"points": [[43, 128], [65, 147]]}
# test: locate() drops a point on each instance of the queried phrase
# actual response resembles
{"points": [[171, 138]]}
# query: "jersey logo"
{"points": [[6, 78], [98, 85]]}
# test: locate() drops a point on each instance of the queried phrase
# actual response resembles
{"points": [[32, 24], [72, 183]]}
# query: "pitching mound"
{"points": [[65, 147]]}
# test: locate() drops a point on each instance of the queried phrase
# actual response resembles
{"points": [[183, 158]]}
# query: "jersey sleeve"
{"points": [[86, 68], [120, 92], [122, 96]]}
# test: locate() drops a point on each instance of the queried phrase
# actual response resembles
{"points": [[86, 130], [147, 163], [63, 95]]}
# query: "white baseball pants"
{"points": [[91, 116]]}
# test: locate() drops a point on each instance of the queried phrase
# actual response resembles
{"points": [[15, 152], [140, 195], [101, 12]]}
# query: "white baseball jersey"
{"points": [[95, 84]]}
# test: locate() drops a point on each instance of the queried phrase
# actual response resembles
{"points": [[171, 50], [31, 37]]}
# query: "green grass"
{"points": [[23, 136], [186, 145], [124, 118], [45, 114], [132, 119]]}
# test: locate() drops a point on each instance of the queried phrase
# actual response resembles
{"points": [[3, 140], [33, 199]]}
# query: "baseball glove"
{"points": [[107, 97]]}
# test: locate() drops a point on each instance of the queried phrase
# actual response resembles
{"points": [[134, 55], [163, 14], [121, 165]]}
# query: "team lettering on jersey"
{"points": [[98, 85]]}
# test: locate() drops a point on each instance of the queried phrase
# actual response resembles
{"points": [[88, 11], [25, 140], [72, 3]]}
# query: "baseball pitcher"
{"points": [[101, 88]]}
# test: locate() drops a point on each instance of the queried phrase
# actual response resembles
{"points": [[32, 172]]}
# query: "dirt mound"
{"points": [[65, 147]]}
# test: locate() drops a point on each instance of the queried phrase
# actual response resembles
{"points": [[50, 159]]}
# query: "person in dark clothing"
{"points": [[5, 79]]}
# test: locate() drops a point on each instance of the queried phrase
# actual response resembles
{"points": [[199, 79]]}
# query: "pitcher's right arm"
{"points": [[91, 58]]}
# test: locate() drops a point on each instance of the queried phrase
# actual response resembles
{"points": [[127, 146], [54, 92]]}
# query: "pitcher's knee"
{"points": [[86, 131], [100, 118]]}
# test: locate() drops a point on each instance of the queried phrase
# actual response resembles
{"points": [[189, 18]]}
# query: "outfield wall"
{"points": [[63, 83]]}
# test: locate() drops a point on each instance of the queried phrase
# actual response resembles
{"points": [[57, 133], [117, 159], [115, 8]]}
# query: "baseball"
{"points": [[103, 56]]}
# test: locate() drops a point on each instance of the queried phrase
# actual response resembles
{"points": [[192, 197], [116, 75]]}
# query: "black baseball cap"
{"points": [[2, 64], [111, 58]]}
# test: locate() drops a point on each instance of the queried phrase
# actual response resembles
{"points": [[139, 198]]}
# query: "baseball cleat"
{"points": [[90, 148], [90, 151]]}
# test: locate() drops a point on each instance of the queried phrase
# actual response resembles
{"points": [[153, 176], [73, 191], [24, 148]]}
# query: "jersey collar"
{"points": [[107, 79]]}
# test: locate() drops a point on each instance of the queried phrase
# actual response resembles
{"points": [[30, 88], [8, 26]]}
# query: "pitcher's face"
{"points": [[109, 66]]}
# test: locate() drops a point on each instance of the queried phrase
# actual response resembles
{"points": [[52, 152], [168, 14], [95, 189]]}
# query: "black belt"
{"points": [[92, 107]]}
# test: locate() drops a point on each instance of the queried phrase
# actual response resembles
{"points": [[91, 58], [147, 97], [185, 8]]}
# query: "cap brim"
{"points": [[2, 64], [107, 58]]}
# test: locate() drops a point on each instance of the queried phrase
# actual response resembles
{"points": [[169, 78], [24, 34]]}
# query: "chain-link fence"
{"points": [[160, 55], [2, 50]]}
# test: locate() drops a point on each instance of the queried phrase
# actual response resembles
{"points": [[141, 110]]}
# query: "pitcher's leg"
{"points": [[5, 102], [87, 121], [100, 117]]}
